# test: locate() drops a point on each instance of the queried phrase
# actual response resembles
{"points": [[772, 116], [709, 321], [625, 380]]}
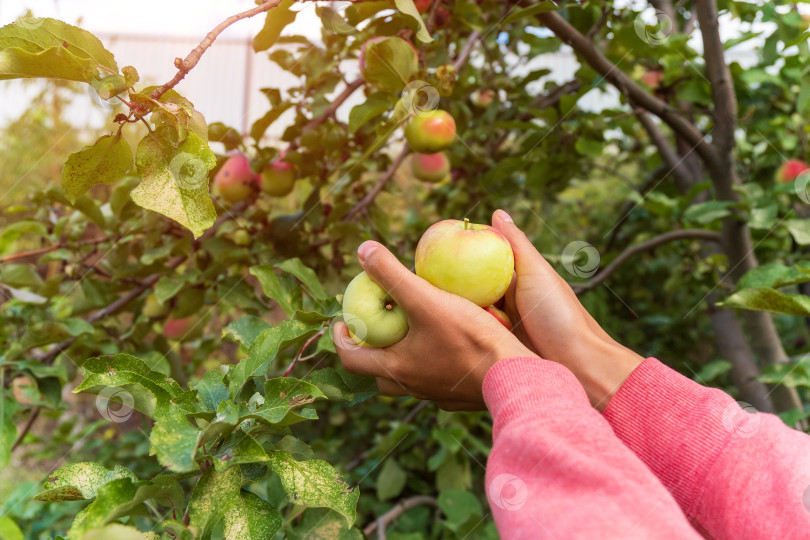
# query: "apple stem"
{"points": [[466, 224], [389, 306]]}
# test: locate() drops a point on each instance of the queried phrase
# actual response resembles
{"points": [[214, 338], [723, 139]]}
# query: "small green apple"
{"points": [[430, 132], [236, 181], [463, 258], [431, 168], [152, 307], [372, 316], [501, 316], [278, 178]]}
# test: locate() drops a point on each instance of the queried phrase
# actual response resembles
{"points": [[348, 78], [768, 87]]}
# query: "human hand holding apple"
{"points": [[460, 340]]}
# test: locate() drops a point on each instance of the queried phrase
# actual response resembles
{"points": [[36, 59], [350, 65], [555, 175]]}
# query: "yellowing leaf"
{"points": [[106, 161]]}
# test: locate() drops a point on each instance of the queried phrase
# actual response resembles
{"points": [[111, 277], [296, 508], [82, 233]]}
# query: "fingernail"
{"points": [[506, 217], [366, 249]]}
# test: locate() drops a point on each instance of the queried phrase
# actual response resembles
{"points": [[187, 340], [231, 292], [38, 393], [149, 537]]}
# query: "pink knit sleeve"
{"points": [[736, 474], [557, 470]]}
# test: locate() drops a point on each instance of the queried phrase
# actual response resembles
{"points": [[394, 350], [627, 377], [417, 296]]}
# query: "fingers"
{"points": [[405, 287], [356, 358], [527, 259], [391, 388]]}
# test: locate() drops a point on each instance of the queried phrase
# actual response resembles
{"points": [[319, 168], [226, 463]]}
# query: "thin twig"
{"points": [[382, 522], [371, 195], [48, 249], [26, 428], [712, 236], [187, 64], [298, 357]]}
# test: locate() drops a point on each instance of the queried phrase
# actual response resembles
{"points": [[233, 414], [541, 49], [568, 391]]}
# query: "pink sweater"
{"points": [[667, 452]]}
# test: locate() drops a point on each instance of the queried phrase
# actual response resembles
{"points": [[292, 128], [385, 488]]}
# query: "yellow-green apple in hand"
{"points": [[553, 322], [446, 352], [470, 260], [372, 315]]}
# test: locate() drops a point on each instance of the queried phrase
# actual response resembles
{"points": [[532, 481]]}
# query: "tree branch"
{"points": [[725, 100], [614, 265], [624, 84], [464, 55], [185, 65], [26, 428], [330, 110], [382, 522], [48, 249], [670, 156], [371, 195]]}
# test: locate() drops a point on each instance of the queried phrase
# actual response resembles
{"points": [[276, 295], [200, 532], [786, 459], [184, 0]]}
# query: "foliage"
{"points": [[247, 427]]}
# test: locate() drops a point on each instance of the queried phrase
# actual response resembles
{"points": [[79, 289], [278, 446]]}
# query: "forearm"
{"points": [[557, 470], [735, 474]]}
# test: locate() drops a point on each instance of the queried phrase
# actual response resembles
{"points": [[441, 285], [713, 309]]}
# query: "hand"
{"points": [[554, 323], [449, 347]]}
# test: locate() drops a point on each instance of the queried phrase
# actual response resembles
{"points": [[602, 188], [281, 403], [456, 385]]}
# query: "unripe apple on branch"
{"points": [[278, 177], [236, 181], [430, 168], [430, 132]]}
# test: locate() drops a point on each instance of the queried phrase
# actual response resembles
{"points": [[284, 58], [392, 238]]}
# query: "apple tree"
{"points": [[167, 365]]}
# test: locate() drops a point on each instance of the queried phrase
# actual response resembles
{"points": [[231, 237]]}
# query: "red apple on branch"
{"points": [[430, 132], [431, 168], [236, 181], [790, 170]]}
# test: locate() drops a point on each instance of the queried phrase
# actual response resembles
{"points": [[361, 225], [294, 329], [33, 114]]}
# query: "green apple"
{"points": [[236, 181], [152, 307], [482, 99], [463, 258], [373, 318], [431, 168], [430, 132], [501, 316], [278, 178]]}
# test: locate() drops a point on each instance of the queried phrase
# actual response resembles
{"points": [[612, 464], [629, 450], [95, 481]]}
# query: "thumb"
{"points": [[385, 269]]}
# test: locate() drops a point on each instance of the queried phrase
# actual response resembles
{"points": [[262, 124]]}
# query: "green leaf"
{"points": [[8, 430], [138, 385], [793, 374], [284, 394], [315, 483], [119, 532], [211, 391], [799, 229], [459, 505], [239, 449], [280, 288], [245, 330], [709, 211], [167, 287], [589, 147], [374, 106], [767, 299], [251, 518], [277, 19], [13, 231], [389, 63], [174, 440], [121, 497], [391, 480], [44, 47], [264, 351], [213, 495], [775, 275], [175, 179], [305, 275], [20, 275], [105, 162], [79, 481], [329, 381], [318, 524], [407, 7], [9, 530]]}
